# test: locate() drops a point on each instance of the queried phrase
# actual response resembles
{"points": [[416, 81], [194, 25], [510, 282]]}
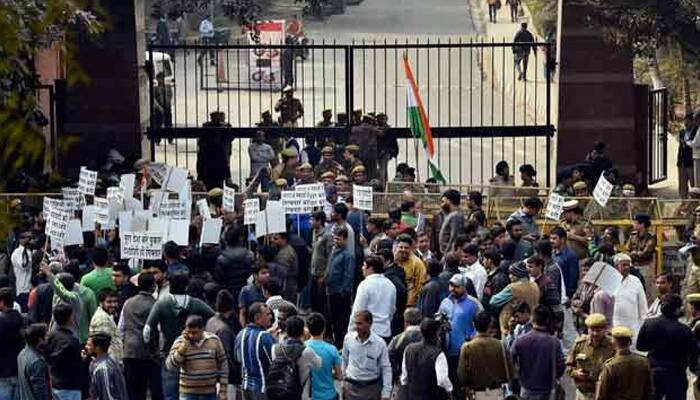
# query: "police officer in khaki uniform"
{"points": [[641, 247], [328, 163], [305, 175], [359, 175], [289, 107], [327, 178], [576, 238], [587, 356], [626, 376], [327, 120], [287, 169], [342, 182]]}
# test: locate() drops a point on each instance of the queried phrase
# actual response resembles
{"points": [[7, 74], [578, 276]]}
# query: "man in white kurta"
{"points": [[630, 301]]}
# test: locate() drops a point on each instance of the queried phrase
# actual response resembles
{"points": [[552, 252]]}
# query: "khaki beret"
{"points": [[215, 192], [281, 182], [596, 320], [326, 150], [289, 152], [628, 186], [306, 166], [693, 298], [328, 174], [352, 147], [359, 168], [622, 332], [342, 178], [580, 185], [570, 205]]}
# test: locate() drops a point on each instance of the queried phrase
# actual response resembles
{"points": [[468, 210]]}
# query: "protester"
{"points": [[453, 221], [413, 267], [377, 295], [339, 280], [11, 326], [235, 264], [293, 349], [366, 364], [253, 349], [323, 377], [33, 372], [473, 269], [424, 369], [411, 334], [103, 321], [630, 306], [106, 378], [433, 292], [63, 356], [101, 275], [663, 287], [220, 325]]}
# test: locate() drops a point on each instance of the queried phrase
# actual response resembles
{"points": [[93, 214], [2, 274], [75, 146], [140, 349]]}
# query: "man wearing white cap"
{"points": [[630, 300]]}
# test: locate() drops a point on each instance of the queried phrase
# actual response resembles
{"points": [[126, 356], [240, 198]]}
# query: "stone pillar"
{"points": [[597, 99], [111, 109]]}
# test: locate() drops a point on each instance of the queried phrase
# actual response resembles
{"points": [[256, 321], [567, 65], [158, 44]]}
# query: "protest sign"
{"points": [[139, 221], [56, 225], [211, 231], [602, 191], [555, 206], [126, 186], [604, 276], [72, 198], [186, 192], [142, 245], [203, 208], [115, 197], [103, 214], [87, 181], [174, 208], [74, 234], [229, 200], [155, 200], [362, 197], [89, 215], [176, 179], [56, 204], [271, 220], [315, 194], [158, 172], [251, 207], [125, 218], [156, 224], [295, 202], [179, 231]]}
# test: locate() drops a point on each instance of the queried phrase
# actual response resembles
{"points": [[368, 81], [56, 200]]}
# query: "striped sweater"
{"points": [[201, 365]]}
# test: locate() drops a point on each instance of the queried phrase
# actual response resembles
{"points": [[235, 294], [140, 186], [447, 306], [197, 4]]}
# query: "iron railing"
{"points": [[657, 140]]}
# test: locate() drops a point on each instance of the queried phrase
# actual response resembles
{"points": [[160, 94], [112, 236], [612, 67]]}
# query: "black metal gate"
{"points": [[657, 139], [479, 111]]}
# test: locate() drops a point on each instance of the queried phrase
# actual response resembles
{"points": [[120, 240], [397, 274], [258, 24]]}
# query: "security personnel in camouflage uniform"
{"points": [[626, 376], [289, 107], [641, 247], [328, 163], [588, 355]]}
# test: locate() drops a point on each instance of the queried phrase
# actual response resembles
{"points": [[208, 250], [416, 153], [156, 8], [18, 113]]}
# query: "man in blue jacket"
{"points": [[340, 277], [253, 350]]}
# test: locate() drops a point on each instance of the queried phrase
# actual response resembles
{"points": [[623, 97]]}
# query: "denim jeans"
{"points": [[8, 388], [185, 396], [171, 383], [66, 394]]}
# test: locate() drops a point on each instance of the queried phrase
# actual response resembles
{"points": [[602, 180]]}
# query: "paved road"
{"points": [[457, 86]]}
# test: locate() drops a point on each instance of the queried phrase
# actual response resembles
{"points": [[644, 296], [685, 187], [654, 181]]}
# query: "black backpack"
{"points": [[282, 381]]}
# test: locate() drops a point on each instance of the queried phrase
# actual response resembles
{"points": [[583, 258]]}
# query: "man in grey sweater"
{"points": [[453, 224]]}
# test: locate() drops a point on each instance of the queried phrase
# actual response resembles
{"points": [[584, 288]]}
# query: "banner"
{"points": [[602, 191], [142, 245], [266, 63], [362, 197], [87, 181], [555, 206], [251, 208]]}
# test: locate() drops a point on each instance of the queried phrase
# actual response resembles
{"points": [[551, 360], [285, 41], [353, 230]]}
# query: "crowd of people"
{"points": [[348, 304]]}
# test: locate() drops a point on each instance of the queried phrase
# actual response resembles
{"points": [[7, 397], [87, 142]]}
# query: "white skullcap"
{"points": [[620, 257]]}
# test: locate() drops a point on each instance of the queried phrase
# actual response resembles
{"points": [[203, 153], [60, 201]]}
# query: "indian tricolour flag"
{"points": [[418, 121]]}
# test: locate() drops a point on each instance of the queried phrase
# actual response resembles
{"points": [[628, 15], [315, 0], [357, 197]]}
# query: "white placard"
{"points": [[186, 192], [602, 191], [72, 198], [125, 218], [251, 207], [229, 200], [203, 208], [89, 215], [158, 225], [211, 231], [74, 233], [179, 231], [176, 179], [126, 185], [87, 181], [362, 197], [115, 197], [156, 199], [57, 225], [102, 211], [142, 245], [295, 202], [271, 220], [315, 194], [56, 204], [174, 208], [604, 276], [139, 222], [158, 171], [555, 206]]}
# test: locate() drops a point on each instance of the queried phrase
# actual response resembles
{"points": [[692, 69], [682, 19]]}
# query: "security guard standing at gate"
{"points": [[641, 247], [587, 356], [626, 376]]}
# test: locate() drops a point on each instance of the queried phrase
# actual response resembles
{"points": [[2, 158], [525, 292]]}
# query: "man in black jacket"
{"points": [[11, 324], [521, 53], [672, 349], [63, 355], [235, 264]]}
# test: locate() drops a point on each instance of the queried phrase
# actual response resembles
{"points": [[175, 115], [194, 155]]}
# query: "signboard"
{"points": [[251, 207], [602, 191], [72, 198], [295, 202], [115, 198], [362, 197], [174, 208], [56, 225], [158, 171], [229, 200], [203, 208], [211, 231], [271, 220], [126, 186], [74, 233], [89, 215], [56, 204], [102, 212], [179, 231], [555, 206], [176, 179], [266, 63], [87, 181], [604, 276], [315, 194], [142, 245]]}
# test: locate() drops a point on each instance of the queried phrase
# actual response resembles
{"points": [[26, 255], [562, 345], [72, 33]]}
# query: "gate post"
{"points": [[349, 85]]}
